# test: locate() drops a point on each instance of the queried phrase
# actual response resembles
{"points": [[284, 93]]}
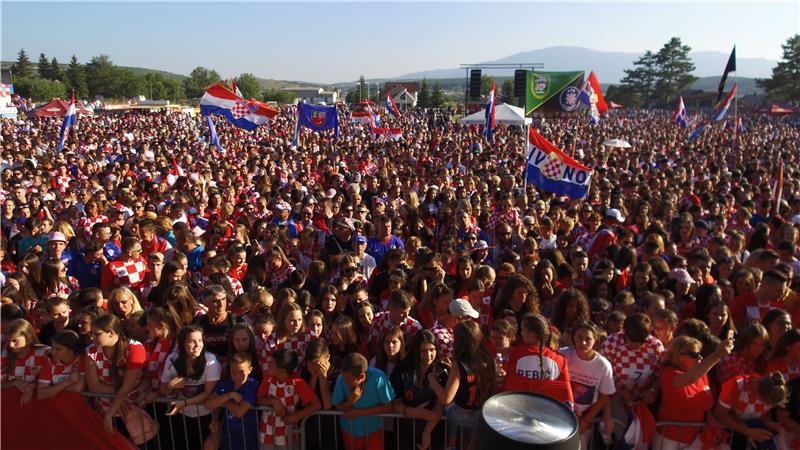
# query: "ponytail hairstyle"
{"points": [[772, 389], [537, 324], [195, 371], [110, 323]]}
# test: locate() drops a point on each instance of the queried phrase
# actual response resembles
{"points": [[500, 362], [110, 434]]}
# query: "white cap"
{"points": [[462, 308], [615, 214]]}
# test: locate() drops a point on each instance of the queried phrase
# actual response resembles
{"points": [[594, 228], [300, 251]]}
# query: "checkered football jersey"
{"points": [[61, 182], [128, 274], [633, 368], [738, 394], [296, 343], [292, 393], [87, 223], [734, 365], [510, 217], [444, 337], [56, 372], [157, 351], [382, 323], [103, 365], [27, 368], [277, 277]]}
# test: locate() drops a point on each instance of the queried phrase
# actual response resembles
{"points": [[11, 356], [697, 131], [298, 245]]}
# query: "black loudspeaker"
{"points": [[520, 78], [475, 83]]}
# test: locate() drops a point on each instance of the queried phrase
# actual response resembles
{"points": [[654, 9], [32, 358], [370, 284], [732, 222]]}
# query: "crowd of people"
{"points": [[416, 277]]}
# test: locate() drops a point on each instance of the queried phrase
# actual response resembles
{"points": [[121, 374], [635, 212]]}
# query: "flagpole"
{"points": [[736, 102]]}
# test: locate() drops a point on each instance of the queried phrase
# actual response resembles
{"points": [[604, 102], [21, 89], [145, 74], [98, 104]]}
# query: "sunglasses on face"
{"points": [[694, 355]]}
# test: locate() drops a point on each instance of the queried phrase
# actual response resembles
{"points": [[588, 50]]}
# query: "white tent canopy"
{"points": [[503, 113]]}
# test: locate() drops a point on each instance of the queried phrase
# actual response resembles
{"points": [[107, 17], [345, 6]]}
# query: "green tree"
{"points": [[282, 96], [100, 73], [437, 98], [43, 67], [199, 79], [785, 81], [642, 78], [127, 83], [23, 68], [507, 92], [249, 86], [424, 96], [674, 70], [76, 78], [40, 88], [486, 84], [56, 73], [624, 95]]}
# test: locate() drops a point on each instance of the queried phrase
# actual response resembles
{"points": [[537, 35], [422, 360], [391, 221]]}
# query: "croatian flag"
{"points": [[592, 96], [489, 121], [391, 106], [680, 113], [723, 108], [246, 114], [69, 120], [549, 168], [214, 138], [739, 126], [394, 134]]}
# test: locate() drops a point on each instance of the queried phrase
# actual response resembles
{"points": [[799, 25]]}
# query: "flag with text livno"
{"points": [[549, 168], [69, 121], [243, 113]]}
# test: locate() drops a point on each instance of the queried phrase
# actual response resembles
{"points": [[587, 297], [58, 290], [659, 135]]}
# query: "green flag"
{"points": [[542, 86]]}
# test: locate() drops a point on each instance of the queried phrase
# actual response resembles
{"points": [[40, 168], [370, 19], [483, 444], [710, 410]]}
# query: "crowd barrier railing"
{"points": [[322, 430]]}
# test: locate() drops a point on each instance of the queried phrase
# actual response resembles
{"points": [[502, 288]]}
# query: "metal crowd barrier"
{"points": [[325, 427]]}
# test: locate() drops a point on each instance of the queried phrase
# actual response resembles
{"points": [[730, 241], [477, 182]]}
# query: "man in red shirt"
{"points": [[751, 307]]}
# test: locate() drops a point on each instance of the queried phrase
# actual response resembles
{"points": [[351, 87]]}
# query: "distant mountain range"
{"points": [[609, 66]]}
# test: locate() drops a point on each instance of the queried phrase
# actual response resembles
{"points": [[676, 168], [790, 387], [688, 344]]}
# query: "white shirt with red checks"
{"points": [[27, 368], [87, 223], [296, 343], [292, 393], [444, 337], [61, 182], [740, 395], [157, 351], [383, 323], [103, 364], [277, 277], [633, 368], [56, 372], [129, 274]]}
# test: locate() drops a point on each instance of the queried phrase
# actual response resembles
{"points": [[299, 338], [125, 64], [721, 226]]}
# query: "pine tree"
{"points": [[437, 98], [76, 78], [424, 96], [785, 81], [56, 73], [23, 68], [674, 70], [642, 78], [43, 67]]}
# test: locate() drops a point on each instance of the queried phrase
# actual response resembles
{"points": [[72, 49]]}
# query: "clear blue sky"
{"points": [[330, 42]]}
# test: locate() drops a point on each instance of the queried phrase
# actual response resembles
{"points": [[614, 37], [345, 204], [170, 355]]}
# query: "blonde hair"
{"points": [[64, 228], [678, 346], [125, 291]]}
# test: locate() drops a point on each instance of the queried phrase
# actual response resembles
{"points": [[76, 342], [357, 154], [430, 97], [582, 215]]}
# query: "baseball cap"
{"points": [[461, 308], [681, 276], [614, 213], [345, 222], [360, 239], [480, 245]]}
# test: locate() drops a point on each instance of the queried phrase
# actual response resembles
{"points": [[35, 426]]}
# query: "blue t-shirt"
{"points": [[246, 439], [193, 259], [377, 249], [88, 275], [377, 391]]}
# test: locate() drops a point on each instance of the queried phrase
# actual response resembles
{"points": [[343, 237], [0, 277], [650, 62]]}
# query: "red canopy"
{"points": [[58, 108], [613, 105]]}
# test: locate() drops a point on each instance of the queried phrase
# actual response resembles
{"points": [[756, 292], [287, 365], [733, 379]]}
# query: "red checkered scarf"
{"points": [[509, 217]]}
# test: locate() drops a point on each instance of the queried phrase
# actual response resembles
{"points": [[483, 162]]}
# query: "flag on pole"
{"points": [[549, 168], [592, 96], [680, 113], [697, 132], [776, 207], [247, 114], [317, 118], [730, 67], [69, 121], [489, 114], [214, 138], [394, 134], [391, 106], [723, 108], [236, 88], [739, 126]]}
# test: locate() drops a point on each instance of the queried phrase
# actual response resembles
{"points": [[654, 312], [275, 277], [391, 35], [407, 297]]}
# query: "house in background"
{"points": [[313, 95], [404, 94]]}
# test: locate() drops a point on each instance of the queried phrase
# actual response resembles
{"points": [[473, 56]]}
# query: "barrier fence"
{"points": [[322, 431]]}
